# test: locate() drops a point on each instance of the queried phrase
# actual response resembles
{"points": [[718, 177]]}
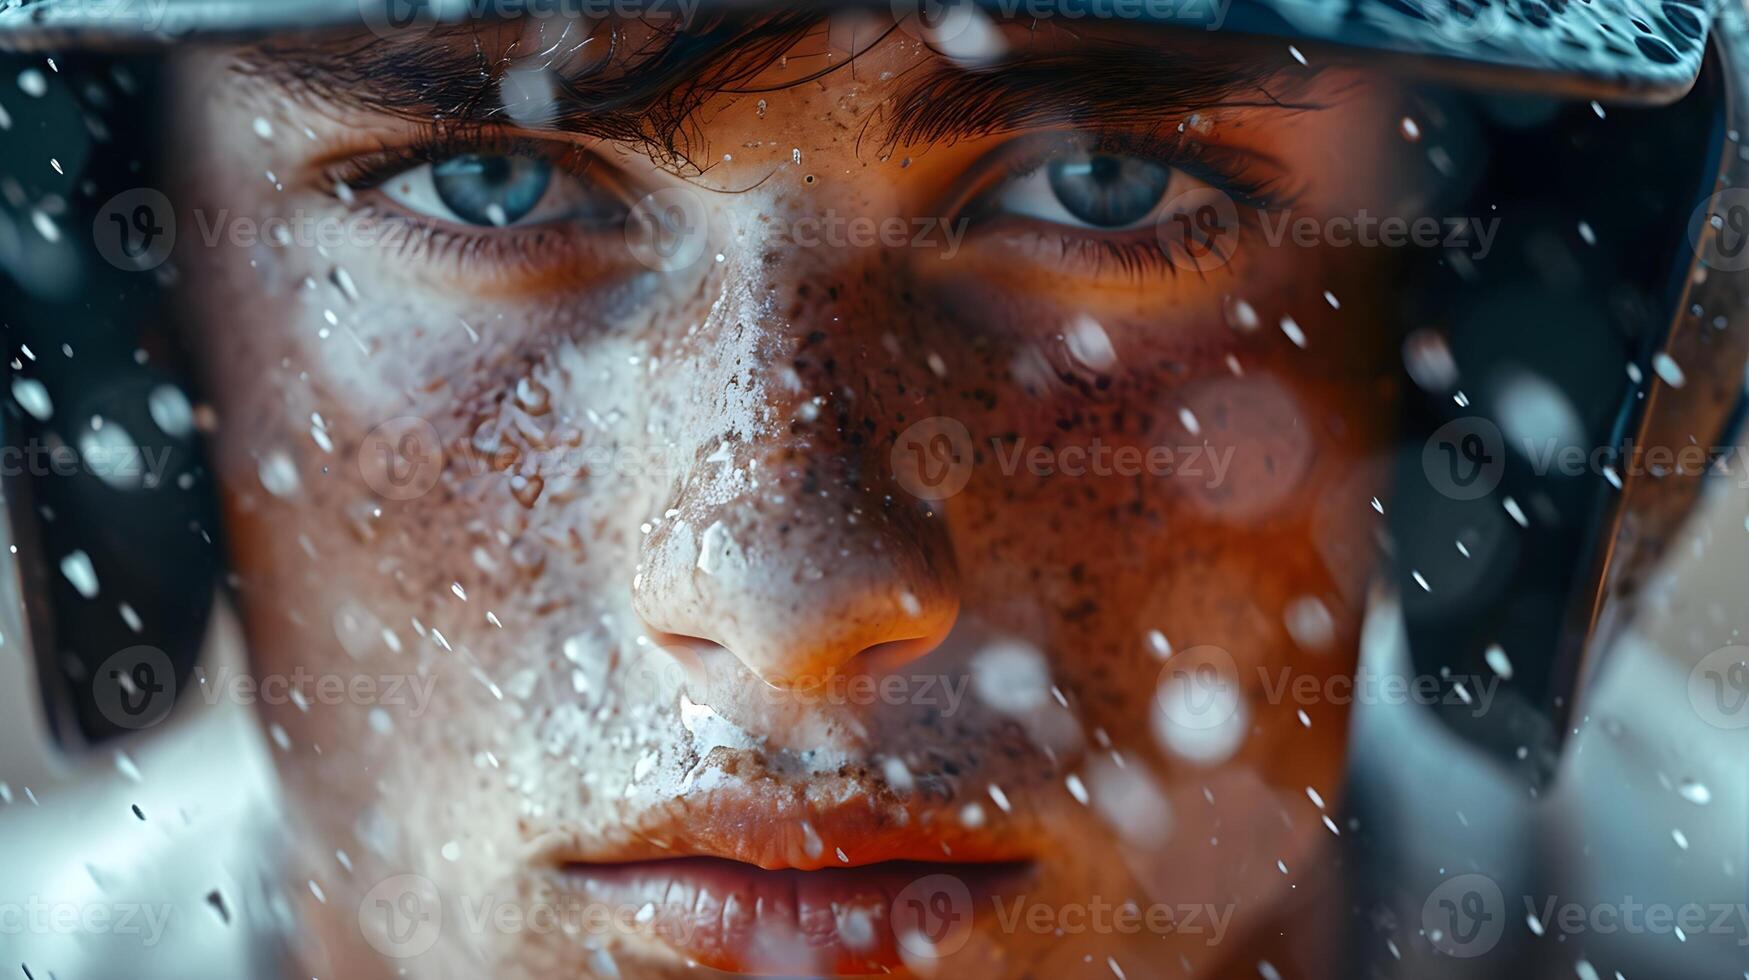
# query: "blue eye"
{"points": [[502, 190], [1108, 191], [492, 190], [1093, 191]]}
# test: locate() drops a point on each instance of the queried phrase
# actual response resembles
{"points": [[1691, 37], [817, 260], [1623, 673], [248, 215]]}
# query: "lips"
{"points": [[836, 879], [828, 922]]}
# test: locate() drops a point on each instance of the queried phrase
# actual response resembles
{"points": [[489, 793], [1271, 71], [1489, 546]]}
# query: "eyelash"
{"points": [[1222, 168], [524, 245]]}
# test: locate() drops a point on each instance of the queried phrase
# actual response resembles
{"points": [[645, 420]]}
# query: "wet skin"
{"points": [[651, 541]]}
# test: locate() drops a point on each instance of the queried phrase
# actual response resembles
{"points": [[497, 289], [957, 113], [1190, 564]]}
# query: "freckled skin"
{"points": [[596, 432]]}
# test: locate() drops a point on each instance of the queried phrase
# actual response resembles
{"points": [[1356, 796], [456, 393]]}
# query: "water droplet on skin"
{"points": [[526, 489], [896, 774], [319, 435], [1077, 788], [278, 474], [1001, 799], [1240, 314], [528, 555], [361, 518], [855, 929], [1310, 624], [357, 629], [521, 685], [1010, 677], [1127, 799], [1090, 345], [533, 397], [342, 281]]}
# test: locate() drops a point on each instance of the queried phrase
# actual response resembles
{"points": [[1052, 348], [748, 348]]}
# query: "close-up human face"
{"points": [[753, 590], [836, 490]]}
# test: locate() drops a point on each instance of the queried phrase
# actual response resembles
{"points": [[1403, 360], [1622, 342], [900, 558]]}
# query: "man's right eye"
{"points": [[501, 190]]}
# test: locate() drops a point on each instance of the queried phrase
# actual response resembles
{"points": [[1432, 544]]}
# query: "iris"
{"points": [[1109, 191], [491, 189]]}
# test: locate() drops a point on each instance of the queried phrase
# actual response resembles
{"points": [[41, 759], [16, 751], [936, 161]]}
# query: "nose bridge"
{"points": [[785, 541]]}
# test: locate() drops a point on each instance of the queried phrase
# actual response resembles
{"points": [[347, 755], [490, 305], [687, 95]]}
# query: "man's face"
{"points": [[739, 488]]}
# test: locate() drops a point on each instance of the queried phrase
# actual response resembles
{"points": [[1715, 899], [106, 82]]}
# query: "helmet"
{"points": [[1528, 508]]}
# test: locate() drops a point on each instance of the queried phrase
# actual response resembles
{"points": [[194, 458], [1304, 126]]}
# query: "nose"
{"points": [[812, 575]]}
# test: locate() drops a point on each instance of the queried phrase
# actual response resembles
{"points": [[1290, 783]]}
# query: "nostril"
{"points": [[884, 657], [692, 653]]}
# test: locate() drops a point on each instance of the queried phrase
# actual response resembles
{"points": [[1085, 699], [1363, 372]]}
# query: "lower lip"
{"points": [[831, 922]]}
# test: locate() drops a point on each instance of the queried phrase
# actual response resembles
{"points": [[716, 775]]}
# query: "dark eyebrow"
{"points": [[645, 91], [1103, 86]]}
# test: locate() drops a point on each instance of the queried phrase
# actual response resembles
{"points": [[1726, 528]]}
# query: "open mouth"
{"points": [[833, 921]]}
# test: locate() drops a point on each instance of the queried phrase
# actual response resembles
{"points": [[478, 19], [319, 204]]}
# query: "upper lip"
{"points": [[834, 822]]}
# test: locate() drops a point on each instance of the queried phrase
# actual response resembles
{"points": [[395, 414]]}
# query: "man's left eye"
{"points": [[499, 190], [1100, 191]]}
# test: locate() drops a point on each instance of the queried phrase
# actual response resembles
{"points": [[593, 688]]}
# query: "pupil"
{"points": [[494, 170], [1104, 170], [1109, 191], [491, 189]]}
